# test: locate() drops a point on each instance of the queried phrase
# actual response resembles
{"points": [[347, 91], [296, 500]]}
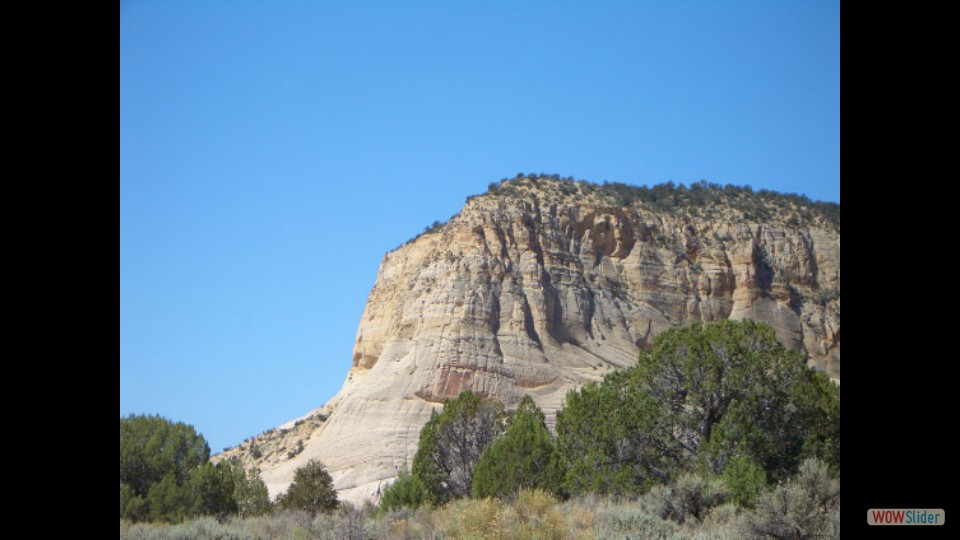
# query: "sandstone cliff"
{"points": [[542, 285]]}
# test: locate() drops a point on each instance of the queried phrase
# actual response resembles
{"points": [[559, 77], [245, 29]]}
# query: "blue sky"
{"points": [[272, 152]]}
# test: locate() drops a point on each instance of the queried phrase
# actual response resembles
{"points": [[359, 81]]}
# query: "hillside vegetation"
{"points": [[717, 432], [704, 199]]}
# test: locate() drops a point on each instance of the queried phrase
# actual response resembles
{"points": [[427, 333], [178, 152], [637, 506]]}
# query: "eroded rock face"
{"points": [[541, 292]]}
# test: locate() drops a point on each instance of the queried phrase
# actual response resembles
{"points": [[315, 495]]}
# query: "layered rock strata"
{"points": [[542, 290]]}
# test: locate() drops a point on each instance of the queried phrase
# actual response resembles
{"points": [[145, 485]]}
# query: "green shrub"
{"points": [[211, 490], [151, 449], [451, 443], [744, 480], [523, 458], [311, 491], [811, 511], [132, 506], [705, 394], [604, 437], [165, 474], [407, 491], [168, 500], [760, 205], [250, 493]]}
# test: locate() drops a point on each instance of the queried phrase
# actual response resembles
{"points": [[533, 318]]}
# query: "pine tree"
{"points": [[704, 396], [523, 458], [157, 458], [451, 443], [250, 492], [311, 491]]}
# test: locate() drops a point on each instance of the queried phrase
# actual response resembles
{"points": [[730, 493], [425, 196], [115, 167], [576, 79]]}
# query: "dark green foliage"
{"points": [[311, 491], [152, 447], [523, 458], [699, 199], [668, 197], [250, 493], [168, 463], [434, 227], [451, 443], [806, 506], [730, 388], [407, 491], [604, 435], [703, 396], [822, 422], [210, 490], [157, 458], [168, 500], [132, 506], [744, 480]]}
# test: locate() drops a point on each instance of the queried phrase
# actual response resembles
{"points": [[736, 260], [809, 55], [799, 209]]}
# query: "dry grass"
{"points": [[809, 502], [532, 516]]}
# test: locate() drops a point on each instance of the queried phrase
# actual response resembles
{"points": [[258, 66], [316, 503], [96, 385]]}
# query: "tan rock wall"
{"points": [[515, 296]]}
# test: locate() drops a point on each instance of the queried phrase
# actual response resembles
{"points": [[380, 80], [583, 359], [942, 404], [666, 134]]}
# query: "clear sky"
{"points": [[272, 152]]}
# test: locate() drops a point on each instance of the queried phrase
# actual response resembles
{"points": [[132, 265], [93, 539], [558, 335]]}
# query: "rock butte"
{"points": [[539, 292]]}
